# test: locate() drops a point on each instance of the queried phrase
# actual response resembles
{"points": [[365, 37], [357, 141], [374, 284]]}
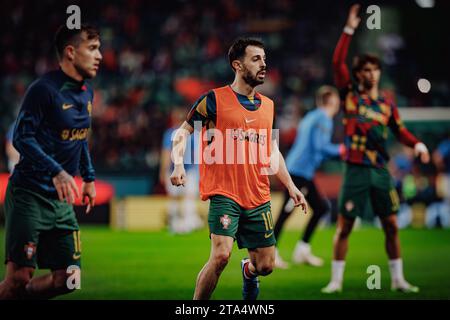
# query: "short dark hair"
{"points": [[360, 61], [237, 49], [65, 36]]}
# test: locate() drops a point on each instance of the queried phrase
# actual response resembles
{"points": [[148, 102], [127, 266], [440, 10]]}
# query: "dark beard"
{"points": [[367, 85], [251, 80]]}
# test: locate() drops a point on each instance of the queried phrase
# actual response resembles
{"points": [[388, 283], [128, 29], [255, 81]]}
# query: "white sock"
{"points": [[172, 208], [189, 208], [303, 245], [337, 270], [289, 207], [396, 270]]}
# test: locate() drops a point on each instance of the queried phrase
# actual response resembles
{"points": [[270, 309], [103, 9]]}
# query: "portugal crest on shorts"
{"points": [[225, 220], [30, 250]]}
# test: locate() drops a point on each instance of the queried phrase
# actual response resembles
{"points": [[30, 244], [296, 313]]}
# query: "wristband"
{"points": [[349, 30], [420, 147]]}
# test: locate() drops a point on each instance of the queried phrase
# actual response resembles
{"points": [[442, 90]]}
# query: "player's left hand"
{"points": [[88, 190], [421, 150], [298, 197]]}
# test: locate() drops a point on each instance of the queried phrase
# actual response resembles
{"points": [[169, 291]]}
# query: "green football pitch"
{"points": [[158, 265]]}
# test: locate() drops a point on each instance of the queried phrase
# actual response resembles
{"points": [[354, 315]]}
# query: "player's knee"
{"points": [[342, 233], [391, 230], [220, 259], [265, 268], [60, 282], [20, 281]]}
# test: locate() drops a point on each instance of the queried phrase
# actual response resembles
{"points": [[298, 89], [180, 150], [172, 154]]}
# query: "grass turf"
{"points": [[158, 265]]}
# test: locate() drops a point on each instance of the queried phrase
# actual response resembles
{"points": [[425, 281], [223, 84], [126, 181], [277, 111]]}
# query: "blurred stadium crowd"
{"points": [[158, 55]]}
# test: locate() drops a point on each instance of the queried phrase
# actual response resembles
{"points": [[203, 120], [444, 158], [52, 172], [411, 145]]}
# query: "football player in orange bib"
{"points": [[237, 154]]}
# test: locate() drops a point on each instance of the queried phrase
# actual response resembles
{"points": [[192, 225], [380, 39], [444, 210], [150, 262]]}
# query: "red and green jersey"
{"points": [[366, 120]]}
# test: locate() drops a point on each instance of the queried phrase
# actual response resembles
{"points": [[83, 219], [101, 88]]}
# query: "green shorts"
{"points": [[40, 231], [363, 185], [251, 228]]}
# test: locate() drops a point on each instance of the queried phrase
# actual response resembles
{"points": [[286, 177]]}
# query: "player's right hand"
{"points": [[178, 176], [353, 20], [66, 187]]}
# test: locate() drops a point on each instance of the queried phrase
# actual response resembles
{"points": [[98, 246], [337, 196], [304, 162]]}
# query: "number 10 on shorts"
{"points": [[268, 220]]}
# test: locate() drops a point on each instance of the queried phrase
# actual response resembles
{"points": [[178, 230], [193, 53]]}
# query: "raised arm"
{"points": [[340, 68]]}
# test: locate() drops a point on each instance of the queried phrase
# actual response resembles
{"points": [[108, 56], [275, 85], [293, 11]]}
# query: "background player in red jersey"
{"points": [[367, 116]]}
